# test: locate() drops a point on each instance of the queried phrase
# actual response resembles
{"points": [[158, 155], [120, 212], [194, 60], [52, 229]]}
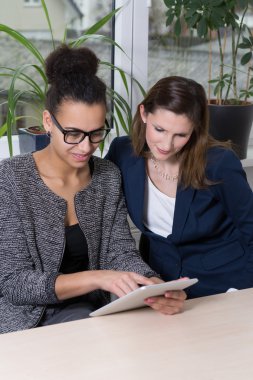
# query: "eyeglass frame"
{"points": [[85, 134]]}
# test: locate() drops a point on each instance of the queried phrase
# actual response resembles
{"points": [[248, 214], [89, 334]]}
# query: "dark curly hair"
{"points": [[71, 74]]}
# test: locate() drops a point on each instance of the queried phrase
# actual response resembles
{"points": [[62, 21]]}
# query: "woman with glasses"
{"points": [[65, 242]]}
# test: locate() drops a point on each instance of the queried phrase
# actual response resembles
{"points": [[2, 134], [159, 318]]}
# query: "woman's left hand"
{"points": [[172, 302]]}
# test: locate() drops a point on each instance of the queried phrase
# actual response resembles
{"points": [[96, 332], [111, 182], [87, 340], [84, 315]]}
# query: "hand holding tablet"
{"points": [[136, 298]]}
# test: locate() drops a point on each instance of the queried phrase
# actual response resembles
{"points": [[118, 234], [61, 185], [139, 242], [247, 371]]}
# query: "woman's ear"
{"points": [[47, 121], [143, 114]]}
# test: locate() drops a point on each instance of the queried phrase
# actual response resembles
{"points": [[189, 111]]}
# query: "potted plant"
{"points": [[35, 86], [231, 112], [32, 138]]}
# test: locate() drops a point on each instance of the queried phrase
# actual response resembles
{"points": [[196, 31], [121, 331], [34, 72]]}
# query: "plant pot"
{"points": [[232, 122], [32, 139]]}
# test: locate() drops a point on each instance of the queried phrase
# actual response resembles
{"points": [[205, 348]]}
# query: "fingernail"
{"points": [[149, 300]]}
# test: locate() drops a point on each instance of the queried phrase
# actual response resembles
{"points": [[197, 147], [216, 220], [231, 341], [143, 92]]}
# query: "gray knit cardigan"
{"points": [[32, 236]]}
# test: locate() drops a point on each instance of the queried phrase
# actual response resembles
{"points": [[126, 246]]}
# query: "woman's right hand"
{"points": [[120, 283], [116, 282]]}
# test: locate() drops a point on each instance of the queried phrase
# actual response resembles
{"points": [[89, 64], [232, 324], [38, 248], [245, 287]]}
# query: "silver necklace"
{"points": [[162, 174]]}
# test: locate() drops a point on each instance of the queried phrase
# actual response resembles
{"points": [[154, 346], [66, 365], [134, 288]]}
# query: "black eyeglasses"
{"points": [[76, 136]]}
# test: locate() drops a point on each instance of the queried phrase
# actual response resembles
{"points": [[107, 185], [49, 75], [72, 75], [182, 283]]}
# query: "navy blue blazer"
{"points": [[212, 234]]}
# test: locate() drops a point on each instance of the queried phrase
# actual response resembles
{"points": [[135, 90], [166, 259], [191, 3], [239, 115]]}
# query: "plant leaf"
{"points": [[23, 41], [246, 58], [94, 28], [48, 22]]}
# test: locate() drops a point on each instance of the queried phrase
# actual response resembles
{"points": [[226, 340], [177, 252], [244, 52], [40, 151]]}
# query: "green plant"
{"points": [[222, 17], [35, 89]]}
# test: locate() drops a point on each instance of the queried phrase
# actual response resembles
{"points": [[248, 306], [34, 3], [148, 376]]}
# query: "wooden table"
{"points": [[211, 340]]}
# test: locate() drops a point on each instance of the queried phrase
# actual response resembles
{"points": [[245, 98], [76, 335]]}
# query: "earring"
{"points": [[48, 134]]}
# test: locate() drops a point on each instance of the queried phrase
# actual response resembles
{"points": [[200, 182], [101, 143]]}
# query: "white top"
{"points": [[158, 210]]}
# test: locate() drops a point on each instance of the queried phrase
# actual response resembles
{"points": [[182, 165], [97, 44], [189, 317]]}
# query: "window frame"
{"points": [[31, 3], [132, 18]]}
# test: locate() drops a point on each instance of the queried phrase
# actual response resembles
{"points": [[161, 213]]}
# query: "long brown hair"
{"points": [[186, 97]]}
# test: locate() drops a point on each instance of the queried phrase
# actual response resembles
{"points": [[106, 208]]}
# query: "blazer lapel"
{"points": [[134, 189], [183, 201]]}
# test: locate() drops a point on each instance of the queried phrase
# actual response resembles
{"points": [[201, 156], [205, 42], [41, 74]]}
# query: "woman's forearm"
{"points": [[76, 284], [117, 282]]}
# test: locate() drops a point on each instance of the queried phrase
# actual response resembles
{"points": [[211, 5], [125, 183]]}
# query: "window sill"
{"points": [[4, 149]]}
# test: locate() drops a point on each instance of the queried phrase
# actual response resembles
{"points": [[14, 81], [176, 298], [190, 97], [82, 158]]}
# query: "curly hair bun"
{"points": [[66, 62]]}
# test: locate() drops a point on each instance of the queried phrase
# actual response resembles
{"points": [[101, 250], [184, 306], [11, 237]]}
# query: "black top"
{"points": [[75, 258]]}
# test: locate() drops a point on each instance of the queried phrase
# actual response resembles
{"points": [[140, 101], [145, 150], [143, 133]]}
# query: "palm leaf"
{"points": [[48, 22], [3, 129], [94, 28], [23, 41], [121, 72], [28, 80], [85, 37]]}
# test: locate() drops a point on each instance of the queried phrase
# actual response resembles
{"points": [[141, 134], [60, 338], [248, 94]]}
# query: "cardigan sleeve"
{"points": [[233, 190], [20, 282]]}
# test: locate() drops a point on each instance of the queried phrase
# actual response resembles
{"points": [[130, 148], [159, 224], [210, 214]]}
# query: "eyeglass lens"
{"points": [[75, 137]]}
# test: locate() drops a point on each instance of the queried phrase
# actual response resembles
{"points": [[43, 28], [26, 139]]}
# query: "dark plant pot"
{"points": [[232, 122], [32, 139]]}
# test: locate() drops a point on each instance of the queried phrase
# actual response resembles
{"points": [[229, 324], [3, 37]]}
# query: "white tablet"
{"points": [[136, 298]]}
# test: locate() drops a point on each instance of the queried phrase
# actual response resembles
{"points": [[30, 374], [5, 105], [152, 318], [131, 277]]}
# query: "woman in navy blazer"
{"points": [[187, 193]]}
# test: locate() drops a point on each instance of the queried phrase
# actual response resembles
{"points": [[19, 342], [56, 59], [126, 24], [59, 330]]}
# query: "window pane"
{"points": [[74, 17], [188, 55]]}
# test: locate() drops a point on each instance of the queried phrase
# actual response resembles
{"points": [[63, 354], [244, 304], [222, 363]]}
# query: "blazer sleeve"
{"points": [[20, 282], [112, 152], [120, 151], [233, 190]]}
